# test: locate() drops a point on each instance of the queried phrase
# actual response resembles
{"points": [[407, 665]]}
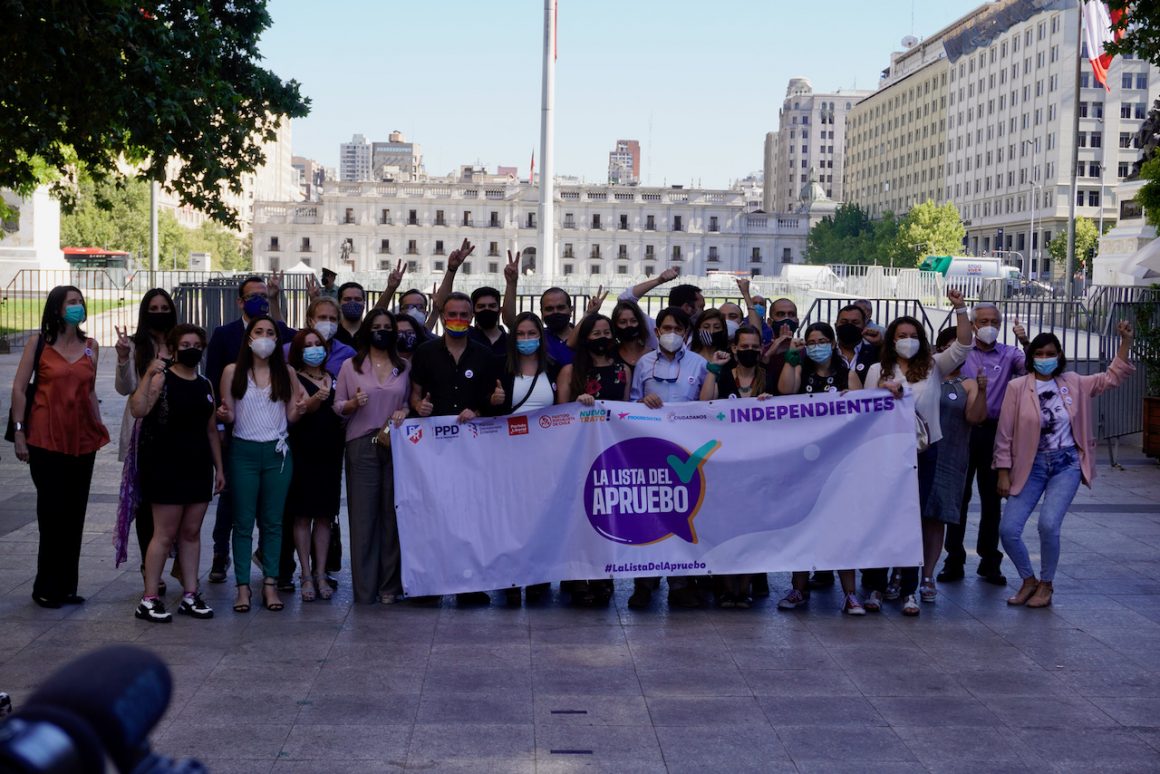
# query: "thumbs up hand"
{"points": [[1019, 331], [498, 396], [425, 406]]}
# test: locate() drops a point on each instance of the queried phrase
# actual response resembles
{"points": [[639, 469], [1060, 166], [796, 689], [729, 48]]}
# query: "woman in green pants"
{"points": [[260, 395]]}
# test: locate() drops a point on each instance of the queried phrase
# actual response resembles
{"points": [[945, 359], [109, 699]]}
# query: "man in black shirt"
{"points": [[487, 331], [453, 375]]}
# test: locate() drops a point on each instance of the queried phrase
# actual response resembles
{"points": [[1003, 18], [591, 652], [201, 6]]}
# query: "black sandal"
{"points": [[240, 607], [273, 607]]}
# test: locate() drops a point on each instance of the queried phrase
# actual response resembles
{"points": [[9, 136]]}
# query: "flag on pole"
{"points": [[532, 172], [1097, 32]]}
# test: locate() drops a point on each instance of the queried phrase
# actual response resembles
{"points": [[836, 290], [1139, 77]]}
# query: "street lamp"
{"points": [[1031, 206]]}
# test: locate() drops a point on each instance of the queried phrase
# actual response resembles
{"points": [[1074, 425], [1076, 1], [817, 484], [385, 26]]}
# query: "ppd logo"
{"points": [[414, 433], [645, 490], [446, 431]]}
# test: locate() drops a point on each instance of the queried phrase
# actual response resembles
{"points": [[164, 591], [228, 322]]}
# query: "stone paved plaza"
{"points": [[970, 686]]}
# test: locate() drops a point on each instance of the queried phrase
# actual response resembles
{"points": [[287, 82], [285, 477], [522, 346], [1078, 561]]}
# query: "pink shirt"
{"points": [[383, 399], [1017, 436]]}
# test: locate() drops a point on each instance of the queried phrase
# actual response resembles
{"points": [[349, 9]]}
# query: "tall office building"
{"points": [[354, 160], [810, 135], [624, 163], [396, 160]]}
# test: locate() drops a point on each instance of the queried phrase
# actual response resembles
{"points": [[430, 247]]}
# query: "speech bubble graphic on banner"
{"points": [[644, 490]]}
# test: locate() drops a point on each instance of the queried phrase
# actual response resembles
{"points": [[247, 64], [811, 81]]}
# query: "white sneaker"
{"points": [[910, 606], [928, 592], [852, 606], [873, 603], [793, 600], [153, 610]]}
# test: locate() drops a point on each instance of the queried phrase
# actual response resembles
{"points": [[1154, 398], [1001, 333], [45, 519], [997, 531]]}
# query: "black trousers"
{"points": [[223, 524], [62, 497], [987, 546]]}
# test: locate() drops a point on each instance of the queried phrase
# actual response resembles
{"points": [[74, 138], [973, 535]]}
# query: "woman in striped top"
{"points": [[261, 395]]}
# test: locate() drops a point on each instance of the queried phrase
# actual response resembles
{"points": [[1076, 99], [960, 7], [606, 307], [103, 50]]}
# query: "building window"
{"points": [[467, 217], [622, 252], [439, 221], [531, 220], [274, 243], [493, 248], [755, 255], [412, 217], [492, 268], [385, 218], [595, 221], [622, 269], [1094, 198], [568, 250], [349, 216], [677, 225], [568, 269], [437, 265], [1125, 140], [384, 246], [786, 255], [713, 223], [713, 257], [650, 223], [413, 247], [623, 223], [648, 253], [438, 247], [1142, 81], [493, 220], [1122, 170], [676, 252], [569, 220], [595, 252]]}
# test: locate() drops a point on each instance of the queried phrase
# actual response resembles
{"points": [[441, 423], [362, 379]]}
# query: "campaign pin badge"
{"points": [[953, 396], [1067, 401], [1064, 390], [469, 373], [861, 366]]}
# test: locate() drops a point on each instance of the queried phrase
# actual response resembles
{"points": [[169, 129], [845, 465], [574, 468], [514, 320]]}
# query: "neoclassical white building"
{"points": [[601, 230]]}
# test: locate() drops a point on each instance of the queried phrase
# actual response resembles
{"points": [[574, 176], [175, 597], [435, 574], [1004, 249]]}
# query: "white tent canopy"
{"points": [[300, 268]]}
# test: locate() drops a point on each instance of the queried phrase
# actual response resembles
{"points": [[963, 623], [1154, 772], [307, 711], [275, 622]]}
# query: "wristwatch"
{"points": [[18, 427]]}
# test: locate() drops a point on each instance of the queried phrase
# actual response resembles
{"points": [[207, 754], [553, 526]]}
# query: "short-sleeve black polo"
{"points": [[454, 386]]}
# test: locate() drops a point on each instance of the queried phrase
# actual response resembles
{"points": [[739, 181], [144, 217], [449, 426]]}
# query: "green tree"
{"points": [[928, 229], [847, 236], [116, 217], [1087, 237], [131, 84]]}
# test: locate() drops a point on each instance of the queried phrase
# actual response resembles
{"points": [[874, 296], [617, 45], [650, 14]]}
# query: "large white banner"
{"points": [[730, 486]]}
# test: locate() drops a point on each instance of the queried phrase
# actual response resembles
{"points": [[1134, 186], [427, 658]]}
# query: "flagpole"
{"points": [[1069, 285], [546, 254]]}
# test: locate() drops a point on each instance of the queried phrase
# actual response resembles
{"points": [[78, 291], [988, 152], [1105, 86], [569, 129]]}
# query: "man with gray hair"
{"points": [[999, 363]]}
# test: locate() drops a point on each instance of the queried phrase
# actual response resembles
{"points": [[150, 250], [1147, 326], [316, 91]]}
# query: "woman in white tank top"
{"points": [[261, 396]]}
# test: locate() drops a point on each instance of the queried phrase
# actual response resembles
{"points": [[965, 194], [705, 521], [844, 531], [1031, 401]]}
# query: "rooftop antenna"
{"points": [[648, 163]]}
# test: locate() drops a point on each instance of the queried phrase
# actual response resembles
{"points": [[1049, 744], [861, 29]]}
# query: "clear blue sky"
{"points": [[462, 77]]}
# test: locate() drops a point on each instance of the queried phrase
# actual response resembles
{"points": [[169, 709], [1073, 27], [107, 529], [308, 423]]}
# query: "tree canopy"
{"points": [[850, 236], [1087, 237], [120, 87], [122, 223]]}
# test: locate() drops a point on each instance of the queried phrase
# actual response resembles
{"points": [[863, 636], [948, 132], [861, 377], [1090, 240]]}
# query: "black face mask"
{"points": [[558, 322], [848, 334], [160, 322], [629, 333], [189, 357], [486, 319], [406, 341], [747, 358], [382, 339], [791, 322], [599, 346]]}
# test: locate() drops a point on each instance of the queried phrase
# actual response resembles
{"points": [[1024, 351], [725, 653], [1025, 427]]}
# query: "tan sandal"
{"points": [[1042, 596], [1025, 591], [325, 592], [307, 584]]}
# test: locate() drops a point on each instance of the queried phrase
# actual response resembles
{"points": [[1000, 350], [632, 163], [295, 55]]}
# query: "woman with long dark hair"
{"points": [[1043, 450], [316, 442], [58, 435], [180, 467], [907, 364], [156, 317], [373, 389], [529, 381], [261, 396], [630, 328]]}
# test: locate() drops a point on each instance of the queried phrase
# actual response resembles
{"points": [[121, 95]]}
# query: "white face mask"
{"points": [[671, 342], [906, 348], [731, 327], [987, 334], [263, 347], [326, 329]]}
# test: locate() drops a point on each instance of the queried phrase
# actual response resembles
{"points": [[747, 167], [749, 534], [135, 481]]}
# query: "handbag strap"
{"points": [[535, 379]]}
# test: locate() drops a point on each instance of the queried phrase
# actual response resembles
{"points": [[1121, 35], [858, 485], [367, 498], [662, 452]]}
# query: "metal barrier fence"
{"points": [[885, 309]]}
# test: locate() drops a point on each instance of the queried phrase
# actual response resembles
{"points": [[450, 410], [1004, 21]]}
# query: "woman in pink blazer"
{"points": [[1044, 448]]}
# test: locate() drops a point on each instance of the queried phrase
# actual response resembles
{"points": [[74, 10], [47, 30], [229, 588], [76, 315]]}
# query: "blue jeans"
{"points": [[1055, 476]]}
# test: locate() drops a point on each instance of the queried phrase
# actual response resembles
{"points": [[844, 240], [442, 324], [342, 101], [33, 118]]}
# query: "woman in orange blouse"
{"points": [[58, 436]]}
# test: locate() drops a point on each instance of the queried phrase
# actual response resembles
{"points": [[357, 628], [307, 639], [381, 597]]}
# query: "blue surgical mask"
{"points": [[819, 353], [256, 306], [760, 309], [74, 314], [313, 356], [528, 346], [1046, 365]]}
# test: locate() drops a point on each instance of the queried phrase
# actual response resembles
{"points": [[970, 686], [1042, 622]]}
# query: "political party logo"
{"points": [[414, 433], [446, 432], [555, 420], [673, 416], [626, 416], [595, 415], [517, 425], [471, 428], [644, 490]]}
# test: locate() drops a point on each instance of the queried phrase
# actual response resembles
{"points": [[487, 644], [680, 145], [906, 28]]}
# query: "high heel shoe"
{"points": [[325, 592], [1025, 591], [272, 606], [1042, 596], [239, 605], [307, 584]]}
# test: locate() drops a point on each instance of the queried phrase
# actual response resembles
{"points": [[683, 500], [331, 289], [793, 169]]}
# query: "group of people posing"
{"points": [[271, 417]]}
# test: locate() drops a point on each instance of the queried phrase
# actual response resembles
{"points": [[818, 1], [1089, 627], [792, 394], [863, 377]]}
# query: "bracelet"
{"points": [[713, 368], [960, 310]]}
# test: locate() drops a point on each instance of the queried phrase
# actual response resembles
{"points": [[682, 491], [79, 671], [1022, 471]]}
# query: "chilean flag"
{"points": [[1097, 32]]}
